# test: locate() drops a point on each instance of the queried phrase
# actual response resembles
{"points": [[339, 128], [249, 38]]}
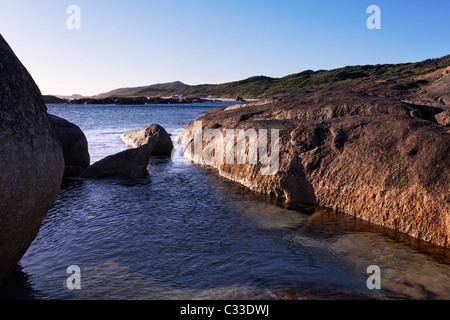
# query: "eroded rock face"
{"points": [[372, 156], [310, 105], [443, 118], [389, 170], [437, 88], [153, 134], [74, 145], [31, 160], [128, 164]]}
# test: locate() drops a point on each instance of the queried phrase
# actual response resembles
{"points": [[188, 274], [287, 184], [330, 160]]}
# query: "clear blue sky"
{"points": [[133, 43]]}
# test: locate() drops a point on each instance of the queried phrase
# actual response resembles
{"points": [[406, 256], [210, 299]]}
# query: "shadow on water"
{"points": [[74, 182], [328, 223], [17, 286]]}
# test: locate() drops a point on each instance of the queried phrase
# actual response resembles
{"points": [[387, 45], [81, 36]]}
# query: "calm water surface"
{"points": [[185, 233]]}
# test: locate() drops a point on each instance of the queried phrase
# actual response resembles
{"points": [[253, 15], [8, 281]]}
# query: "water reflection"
{"points": [[411, 268]]}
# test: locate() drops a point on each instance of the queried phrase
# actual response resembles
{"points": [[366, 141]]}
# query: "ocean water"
{"points": [[186, 233]]}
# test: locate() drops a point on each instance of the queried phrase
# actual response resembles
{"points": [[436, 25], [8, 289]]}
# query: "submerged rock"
{"points": [[128, 164], [74, 145], [31, 161], [153, 134]]}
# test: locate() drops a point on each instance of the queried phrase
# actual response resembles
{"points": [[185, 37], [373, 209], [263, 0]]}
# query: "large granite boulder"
{"points": [[74, 145], [31, 160], [153, 134], [373, 156], [128, 164]]}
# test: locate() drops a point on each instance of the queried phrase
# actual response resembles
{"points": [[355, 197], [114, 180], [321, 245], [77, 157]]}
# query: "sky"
{"points": [[137, 43]]}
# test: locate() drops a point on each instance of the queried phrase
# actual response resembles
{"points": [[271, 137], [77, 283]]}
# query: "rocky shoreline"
{"points": [[379, 151], [133, 100], [39, 150]]}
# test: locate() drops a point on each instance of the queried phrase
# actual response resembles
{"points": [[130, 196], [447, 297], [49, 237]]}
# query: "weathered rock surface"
{"points": [[74, 145], [437, 88], [374, 151], [443, 117], [153, 134], [128, 164], [310, 105], [31, 160]]}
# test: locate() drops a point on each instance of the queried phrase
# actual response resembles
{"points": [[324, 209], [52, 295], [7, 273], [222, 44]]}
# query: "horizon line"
{"points": [[219, 83]]}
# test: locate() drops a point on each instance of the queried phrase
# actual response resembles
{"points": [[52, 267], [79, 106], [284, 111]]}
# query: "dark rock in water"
{"points": [[240, 99], [128, 164], [74, 145], [73, 172], [31, 160], [135, 100], [153, 134], [131, 101]]}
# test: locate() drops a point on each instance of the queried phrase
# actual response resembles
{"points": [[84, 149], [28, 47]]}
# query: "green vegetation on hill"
{"points": [[259, 86], [144, 91]]}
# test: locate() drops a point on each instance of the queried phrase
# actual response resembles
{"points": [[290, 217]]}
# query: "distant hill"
{"points": [[144, 91], [53, 99], [260, 86], [74, 96], [257, 87]]}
